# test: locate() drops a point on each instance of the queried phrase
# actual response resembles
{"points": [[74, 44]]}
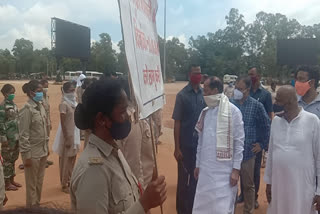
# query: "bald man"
{"points": [[294, 158]]}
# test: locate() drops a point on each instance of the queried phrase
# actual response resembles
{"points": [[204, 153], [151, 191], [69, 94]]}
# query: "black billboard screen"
{"points": [[71, 40], [298, 51]]}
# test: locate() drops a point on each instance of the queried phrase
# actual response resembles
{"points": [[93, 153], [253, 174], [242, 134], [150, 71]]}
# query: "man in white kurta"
{"points": [[294, 158], [217, 177]]}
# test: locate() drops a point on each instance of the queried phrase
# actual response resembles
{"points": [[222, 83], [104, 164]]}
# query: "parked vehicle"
{"points": [[93, 74], [72, 75], [229, 78]]}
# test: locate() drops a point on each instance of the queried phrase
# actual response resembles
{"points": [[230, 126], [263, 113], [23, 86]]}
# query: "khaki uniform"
{"points": [[46, 106], [137, 149], [102, 182], [34, 146], [9, 134], [69, 155], [157, 124]]}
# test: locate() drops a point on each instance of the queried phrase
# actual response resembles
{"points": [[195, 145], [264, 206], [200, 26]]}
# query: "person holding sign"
{"points": [[188, 106], [102, 181]]}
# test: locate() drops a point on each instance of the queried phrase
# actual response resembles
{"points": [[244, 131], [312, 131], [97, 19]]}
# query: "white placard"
{"points": [[138, 20]]}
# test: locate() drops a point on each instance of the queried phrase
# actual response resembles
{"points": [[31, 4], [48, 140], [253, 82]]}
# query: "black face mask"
{"points": [[120, 131], [277, 109]]}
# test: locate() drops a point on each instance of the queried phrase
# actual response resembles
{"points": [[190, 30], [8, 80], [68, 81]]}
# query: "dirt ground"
{"points": [[52, 195]]}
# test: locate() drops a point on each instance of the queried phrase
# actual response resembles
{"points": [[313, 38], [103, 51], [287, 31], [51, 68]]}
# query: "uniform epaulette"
{"points": [[95, 161]]}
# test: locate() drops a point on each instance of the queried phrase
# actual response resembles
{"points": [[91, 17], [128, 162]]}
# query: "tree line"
{"points": [[227, 51]]}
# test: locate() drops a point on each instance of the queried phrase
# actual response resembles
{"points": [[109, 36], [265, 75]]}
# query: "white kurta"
{"points": [[214, 193], [293, 163]]}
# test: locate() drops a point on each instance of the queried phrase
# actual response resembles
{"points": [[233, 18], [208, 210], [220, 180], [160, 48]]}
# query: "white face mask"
{"points": [[70, 96], [45, 90], [237, 95], [212, 101]]}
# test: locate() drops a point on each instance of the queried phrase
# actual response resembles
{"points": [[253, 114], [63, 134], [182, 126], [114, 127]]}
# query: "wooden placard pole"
{"points": [[154, 152]]}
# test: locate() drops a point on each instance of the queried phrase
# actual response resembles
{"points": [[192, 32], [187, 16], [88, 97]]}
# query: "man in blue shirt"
{"points": [[263, 96], [307, 82], [255, 118], [188, 106], [306, 87]]}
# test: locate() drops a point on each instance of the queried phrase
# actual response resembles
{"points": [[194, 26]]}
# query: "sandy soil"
{"points": [[52, 195]]}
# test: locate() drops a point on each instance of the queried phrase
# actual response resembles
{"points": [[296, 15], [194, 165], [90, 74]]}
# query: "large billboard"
{"points": [[71, 40], [138, 19], [298, 51]]}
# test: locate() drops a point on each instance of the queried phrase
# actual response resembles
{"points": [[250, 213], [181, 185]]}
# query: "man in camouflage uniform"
{"points": [[9, 138]]}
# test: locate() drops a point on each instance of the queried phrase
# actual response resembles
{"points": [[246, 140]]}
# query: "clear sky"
{"points": [[30, 19]]}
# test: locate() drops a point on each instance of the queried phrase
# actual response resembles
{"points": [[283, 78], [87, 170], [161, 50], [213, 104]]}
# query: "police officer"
{"points": [[137, 147], [137, 150], [46, 105], [9, 136], [102, 181], [33, 141]]}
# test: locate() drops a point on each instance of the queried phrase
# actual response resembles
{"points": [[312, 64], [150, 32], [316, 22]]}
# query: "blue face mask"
{"points": [[38, 97]]}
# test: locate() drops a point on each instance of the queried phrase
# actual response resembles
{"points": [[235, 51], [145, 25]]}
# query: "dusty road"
{"points": [[52, 194]]}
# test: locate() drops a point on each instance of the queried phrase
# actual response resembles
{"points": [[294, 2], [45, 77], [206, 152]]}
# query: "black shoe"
{"points": [[240, 199], [256, 205]]}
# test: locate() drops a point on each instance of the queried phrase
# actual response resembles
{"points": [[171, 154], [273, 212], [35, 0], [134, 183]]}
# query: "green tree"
{"points": [[121, 59], [7, 63], [104, 58], [23, 52]]}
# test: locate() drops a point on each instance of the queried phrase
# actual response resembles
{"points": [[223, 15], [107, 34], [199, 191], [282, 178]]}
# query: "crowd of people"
{"points": [[220, 135], [223, 136], [120, 134]]}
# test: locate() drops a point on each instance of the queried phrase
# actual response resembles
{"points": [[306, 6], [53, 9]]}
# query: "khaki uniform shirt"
{"points": [[33, 131], [46, 106], [102, 182], [137, 150], [68, 137]]}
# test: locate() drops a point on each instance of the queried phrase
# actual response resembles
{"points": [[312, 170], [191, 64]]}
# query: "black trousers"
{"points": [[187, 184]]}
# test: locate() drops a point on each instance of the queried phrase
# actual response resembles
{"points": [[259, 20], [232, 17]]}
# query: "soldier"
{"points": [[102, 181], [46, 105], [9, 136], [33, 141], [3, 196]]}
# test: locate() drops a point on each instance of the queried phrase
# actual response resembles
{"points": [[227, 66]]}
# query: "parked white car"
{"points": [[229, 78]]}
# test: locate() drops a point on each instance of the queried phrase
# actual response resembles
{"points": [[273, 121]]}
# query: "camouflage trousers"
{"points": [[9, 155]]}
